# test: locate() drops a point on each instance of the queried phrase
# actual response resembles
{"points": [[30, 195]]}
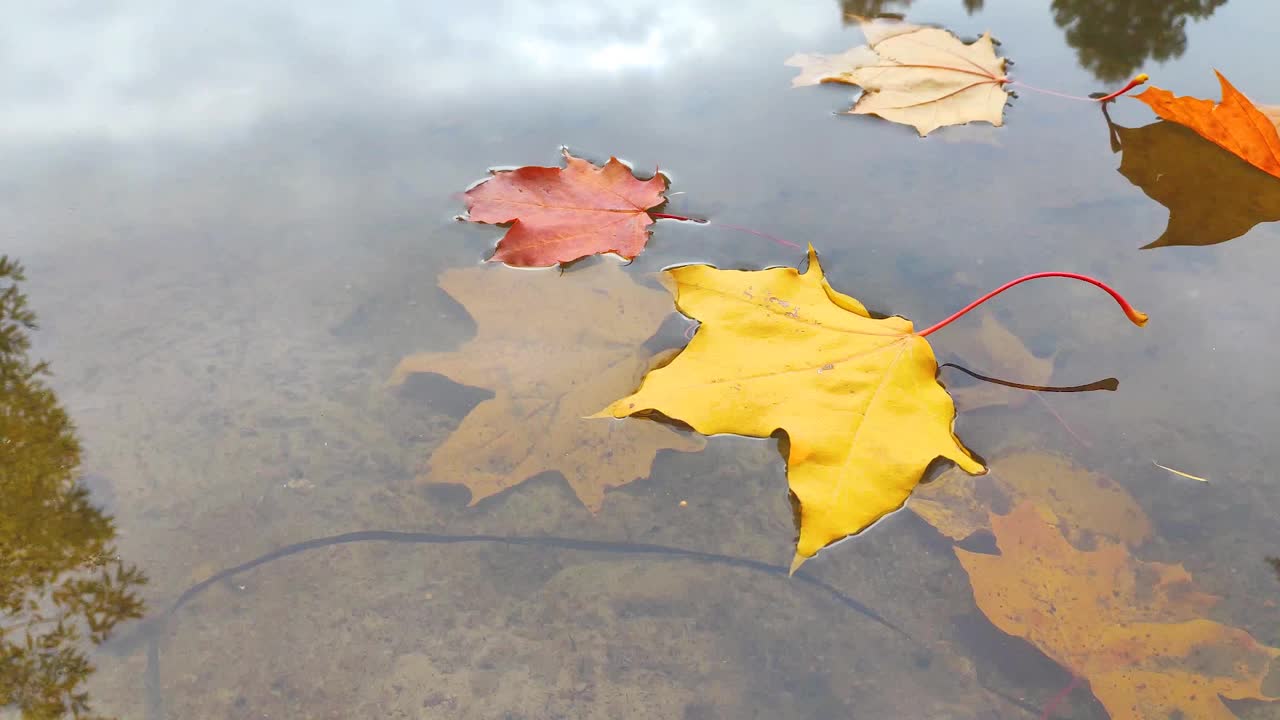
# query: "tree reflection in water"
{"points": [[1113, 38], [62, 585], [855, 9]]}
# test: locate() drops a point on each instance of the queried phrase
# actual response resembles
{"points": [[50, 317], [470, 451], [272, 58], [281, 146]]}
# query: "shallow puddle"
{"points": [[236, 221]]}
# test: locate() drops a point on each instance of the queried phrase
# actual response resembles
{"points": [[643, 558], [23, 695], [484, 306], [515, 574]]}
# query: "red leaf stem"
{"points": [[1135, 82], [1138, 318], [1056, 700], [681, 218]]}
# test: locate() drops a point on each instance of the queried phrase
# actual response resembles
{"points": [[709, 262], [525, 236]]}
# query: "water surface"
{"points": [[233, 218]]}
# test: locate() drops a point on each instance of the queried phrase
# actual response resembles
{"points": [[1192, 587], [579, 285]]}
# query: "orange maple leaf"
{"points": [[1235, 124], [563, 214]]}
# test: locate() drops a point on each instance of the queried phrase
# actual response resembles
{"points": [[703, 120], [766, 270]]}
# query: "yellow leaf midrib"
{"points": [[837, 487], [779, 373], [898, 338], [814, 323]]}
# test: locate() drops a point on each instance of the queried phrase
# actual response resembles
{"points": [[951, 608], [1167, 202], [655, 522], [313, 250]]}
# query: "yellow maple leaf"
{"points": [[857, 396], [919, 76], [1087, 504], [552, 348], [1134, 630]]}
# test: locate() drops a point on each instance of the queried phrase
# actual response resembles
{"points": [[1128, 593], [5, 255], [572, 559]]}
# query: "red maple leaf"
{"points": [[562, 214]]}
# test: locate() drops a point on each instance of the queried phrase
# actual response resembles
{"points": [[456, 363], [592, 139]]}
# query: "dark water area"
{"points": [[234, 220]]}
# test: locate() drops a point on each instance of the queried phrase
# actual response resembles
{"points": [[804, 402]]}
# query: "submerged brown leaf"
{"points": [[1213, 196], [1087, 505], [1134, 630], [553, 348]]}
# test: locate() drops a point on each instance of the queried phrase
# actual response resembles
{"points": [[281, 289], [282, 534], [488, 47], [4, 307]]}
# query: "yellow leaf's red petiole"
{"points": [[1138, 318], [1135, 82]]}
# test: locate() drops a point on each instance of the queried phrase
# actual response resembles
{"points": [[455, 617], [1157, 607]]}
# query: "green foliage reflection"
{"points": [[854, 9], [1113, 38], [61, 581]]}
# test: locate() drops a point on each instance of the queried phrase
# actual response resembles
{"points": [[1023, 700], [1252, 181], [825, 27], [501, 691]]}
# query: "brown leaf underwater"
{"points": [[1087, 505], [553, 348], [1133, 630]]}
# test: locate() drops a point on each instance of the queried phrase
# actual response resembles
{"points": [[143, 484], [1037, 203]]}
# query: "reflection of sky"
{"points": [[135, 67], [219, 169], [125, 68], [150, 123]]}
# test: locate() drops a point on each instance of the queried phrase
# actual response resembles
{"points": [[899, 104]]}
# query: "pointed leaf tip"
{"points": [[796, 562], [813, 260]]}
